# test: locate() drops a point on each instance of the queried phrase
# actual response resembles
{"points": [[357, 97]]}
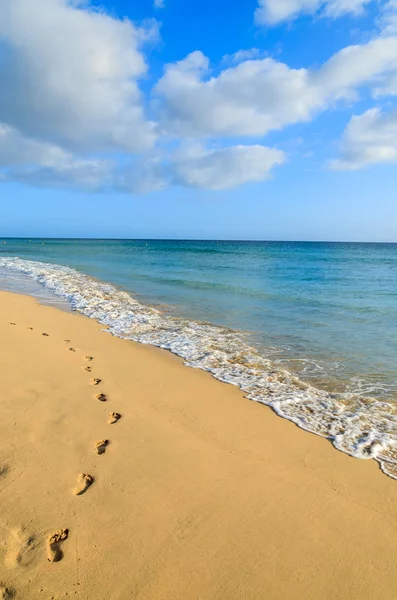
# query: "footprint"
{"points": [[30, 328], [101, 397], [4, 470], [72, 350], [83, 483], [19, 548], [45, 334], [67, 341], [89, 358], [100, 447], [12, 323], [54, 552], [114, 417], [96, 381], [88, 369], [6, 593]]}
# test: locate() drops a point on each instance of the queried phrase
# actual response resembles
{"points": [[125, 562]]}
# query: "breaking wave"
{"points": [[362, 427]]}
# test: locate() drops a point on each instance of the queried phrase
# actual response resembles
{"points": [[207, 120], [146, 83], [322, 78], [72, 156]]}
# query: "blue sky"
{"points": [[265, 119]]}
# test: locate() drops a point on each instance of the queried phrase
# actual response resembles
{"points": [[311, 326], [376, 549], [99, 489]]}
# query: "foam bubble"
{"points": [[362, 427]]}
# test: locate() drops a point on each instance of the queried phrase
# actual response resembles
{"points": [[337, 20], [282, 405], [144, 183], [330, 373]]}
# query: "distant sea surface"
{"points": [[325, 313]]}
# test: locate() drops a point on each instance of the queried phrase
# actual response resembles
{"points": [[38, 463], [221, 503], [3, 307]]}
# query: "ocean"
{"points": [[306, 328]]}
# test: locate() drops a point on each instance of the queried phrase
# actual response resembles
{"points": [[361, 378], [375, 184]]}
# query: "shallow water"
{"points": [[306, 328], [12, 281]]}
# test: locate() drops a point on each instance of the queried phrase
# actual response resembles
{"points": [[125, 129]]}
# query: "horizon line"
{"points": [[144, 239]]}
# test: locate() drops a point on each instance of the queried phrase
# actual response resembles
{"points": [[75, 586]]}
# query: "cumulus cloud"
{"points": [[387, 20], [202, 168], [158, 4], [258, 96], [272, 12], [70, 99], [370, 138], [225, 168], [242, 55], [69, 74], [42, 164], [338, 8], [47, 165], [149, 173]]}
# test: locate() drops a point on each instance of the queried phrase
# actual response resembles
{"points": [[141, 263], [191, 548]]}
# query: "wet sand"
{"points": [[125, 475]]}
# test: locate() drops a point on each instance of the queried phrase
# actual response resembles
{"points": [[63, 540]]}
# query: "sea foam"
{"points": [[362, 427]]}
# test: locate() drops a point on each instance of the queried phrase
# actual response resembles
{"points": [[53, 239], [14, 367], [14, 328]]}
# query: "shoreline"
{"points": [[200, 493], [363, 427]]}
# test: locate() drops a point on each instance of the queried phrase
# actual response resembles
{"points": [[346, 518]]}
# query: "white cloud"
{"points": [[349, 69], [202, 168], [158, 4], [16, 150], [225, 168], [143, 175], [47, 165], [242, 55], [81, 175], [69, 75], [272, 12], [370, 138], [387, 20], [258, 96], [338, 8]]}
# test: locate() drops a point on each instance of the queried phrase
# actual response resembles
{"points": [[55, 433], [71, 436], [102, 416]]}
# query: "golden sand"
{"points": [[191, 492]]}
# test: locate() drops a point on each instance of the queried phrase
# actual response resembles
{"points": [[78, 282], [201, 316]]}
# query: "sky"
{"points": [[254, 119]]}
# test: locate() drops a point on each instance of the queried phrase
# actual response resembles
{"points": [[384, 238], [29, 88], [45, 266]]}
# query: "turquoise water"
{"points": [[325, 311], [307, 329]]}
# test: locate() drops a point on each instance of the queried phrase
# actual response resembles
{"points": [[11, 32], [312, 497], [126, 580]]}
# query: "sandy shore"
{"points": [[200, 494]]}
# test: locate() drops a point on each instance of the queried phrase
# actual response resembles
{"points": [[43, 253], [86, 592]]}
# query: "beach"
{"points": [[198, 494]]}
